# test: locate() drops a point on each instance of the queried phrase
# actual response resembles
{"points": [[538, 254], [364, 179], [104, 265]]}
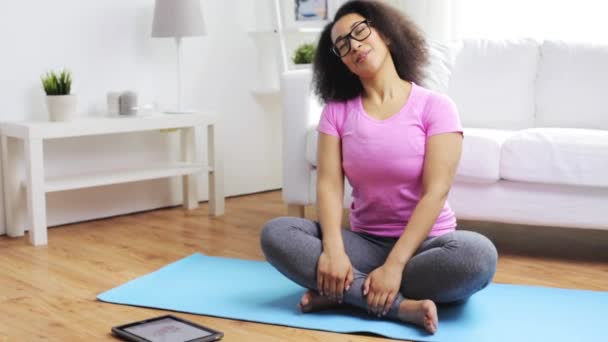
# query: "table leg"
{"points": [[216, 174], [36, 202], [189, 153], [15, 208]]}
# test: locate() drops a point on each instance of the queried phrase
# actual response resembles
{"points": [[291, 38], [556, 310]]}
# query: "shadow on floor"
{"points": [[551, 242]]}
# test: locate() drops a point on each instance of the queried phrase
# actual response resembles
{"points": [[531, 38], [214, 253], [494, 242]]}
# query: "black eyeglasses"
{"points": [[359, 33]]}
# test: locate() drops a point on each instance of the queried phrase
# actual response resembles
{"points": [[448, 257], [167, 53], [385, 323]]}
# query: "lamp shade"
{"points": [[178, 18]]}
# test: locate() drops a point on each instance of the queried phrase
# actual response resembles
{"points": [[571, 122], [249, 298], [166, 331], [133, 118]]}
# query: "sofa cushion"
{"points": [[556, 156], [438, 71], [571, 86], [311, 146], [493, 83], [480, 160]]}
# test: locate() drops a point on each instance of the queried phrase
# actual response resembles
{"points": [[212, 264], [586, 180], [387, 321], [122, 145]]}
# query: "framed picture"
{"points": [[308, 13]]}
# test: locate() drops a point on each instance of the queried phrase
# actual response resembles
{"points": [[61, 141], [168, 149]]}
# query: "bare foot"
{"points": [[312, 301], [420, 312]]}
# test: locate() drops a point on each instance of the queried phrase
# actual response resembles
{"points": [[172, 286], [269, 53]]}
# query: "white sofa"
{"points": [[536, 131]]}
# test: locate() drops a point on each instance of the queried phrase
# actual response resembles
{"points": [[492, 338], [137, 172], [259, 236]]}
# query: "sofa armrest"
{"points": [[301, 112]]}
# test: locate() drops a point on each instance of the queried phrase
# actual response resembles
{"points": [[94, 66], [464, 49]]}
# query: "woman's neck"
{"points": [[385, 86]]}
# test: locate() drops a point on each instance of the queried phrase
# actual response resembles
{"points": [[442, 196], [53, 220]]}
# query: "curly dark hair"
{"points": [[331, 78]]}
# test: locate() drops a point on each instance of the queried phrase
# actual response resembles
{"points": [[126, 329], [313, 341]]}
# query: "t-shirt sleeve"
{"points": [[441, 116], [328, 123]]}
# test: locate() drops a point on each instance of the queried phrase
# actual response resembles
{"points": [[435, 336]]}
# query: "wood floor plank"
{"points": [[48, 293]]}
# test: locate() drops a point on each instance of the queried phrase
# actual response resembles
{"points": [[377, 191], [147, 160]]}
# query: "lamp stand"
{"points": [[178, 43]]}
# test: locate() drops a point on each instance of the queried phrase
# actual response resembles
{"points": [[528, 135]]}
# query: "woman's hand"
{"points": [[381, 287], [334, 275]]}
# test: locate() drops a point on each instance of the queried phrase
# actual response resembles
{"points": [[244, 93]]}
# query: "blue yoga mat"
{"points": [[254, 291]]}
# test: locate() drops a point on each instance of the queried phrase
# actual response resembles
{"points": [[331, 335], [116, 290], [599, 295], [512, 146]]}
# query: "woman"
{"points": [[399, 145]]}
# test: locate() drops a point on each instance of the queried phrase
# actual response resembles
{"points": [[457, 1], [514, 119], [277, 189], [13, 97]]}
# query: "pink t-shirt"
{"points": [[383, 159]]}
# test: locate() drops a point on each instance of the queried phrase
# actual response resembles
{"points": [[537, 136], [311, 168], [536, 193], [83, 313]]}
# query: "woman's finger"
{"points": [[320, 282], [366, 286], [349, 279], [332, 287], [370, 301], [339, 289], [376, 302], [381, 303], [327, 285], [389, 303]]}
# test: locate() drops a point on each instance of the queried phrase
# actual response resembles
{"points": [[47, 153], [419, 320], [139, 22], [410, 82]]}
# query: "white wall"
{"points": [[106, 44]]}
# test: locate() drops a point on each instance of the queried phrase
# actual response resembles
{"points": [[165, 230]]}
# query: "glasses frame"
{"points": [[350, 36]]}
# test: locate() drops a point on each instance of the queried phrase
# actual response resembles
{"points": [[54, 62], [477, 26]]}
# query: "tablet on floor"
{"points": [[166, 328]]}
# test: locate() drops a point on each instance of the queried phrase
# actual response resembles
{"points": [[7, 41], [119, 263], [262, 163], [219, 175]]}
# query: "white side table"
{"points": [[32, 134]]}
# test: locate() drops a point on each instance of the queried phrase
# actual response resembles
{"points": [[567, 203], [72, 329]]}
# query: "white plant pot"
{"points": [[61, 107]]}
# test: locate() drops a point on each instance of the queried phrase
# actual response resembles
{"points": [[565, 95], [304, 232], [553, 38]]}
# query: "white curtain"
{"points": [[581, 20], [434, 17]]}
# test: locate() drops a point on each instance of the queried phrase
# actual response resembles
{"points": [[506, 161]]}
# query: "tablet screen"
{"points": [[167, 330]]}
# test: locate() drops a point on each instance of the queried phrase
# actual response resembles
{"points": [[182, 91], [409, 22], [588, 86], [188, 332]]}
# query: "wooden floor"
{"points": [[49, 292]]}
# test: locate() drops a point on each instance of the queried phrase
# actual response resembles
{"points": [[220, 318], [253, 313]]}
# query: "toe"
{"points": [[306, 298], [429, 325]]}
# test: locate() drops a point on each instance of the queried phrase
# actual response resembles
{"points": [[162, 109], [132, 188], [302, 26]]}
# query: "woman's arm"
{"points": [[440, 163], [334, 270], [441, 160], [330, 191]]}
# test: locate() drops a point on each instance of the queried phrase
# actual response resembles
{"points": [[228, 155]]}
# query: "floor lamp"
{"points": [[177, 19]]}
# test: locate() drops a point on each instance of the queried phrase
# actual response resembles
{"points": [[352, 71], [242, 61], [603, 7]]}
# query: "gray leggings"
{"points": [[445, 269]]}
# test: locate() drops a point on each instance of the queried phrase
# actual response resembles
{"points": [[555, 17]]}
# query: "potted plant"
{"points": [[60, 103], [303, 56]]}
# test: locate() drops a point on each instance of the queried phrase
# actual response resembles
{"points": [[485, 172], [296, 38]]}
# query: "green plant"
{"points": [[57, 84], [304, 54]]}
